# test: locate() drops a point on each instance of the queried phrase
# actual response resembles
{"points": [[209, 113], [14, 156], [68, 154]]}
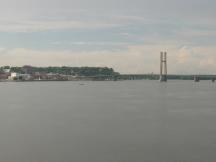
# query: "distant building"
{"points": [[6, 70], [18, 76], [40, 76], [27, 69], [4, 76]]}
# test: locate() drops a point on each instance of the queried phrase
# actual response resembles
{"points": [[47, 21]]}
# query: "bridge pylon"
{"points": [[163, 67]]}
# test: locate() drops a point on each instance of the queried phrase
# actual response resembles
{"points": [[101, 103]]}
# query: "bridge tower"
{"points": [[163, 67]]}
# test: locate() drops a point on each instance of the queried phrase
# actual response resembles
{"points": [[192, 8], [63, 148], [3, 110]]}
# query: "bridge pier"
{"points": [[163, 67]]}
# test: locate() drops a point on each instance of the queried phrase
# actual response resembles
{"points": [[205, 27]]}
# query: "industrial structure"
{"points": [[163, 67], [196, 78]]}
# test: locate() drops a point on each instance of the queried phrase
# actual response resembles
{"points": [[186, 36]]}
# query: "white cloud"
{"points": [[31, 26], [100, 43], [136, 59]]}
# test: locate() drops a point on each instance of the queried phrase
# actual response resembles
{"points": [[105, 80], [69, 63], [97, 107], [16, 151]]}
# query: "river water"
{"points": [[125, 121]]}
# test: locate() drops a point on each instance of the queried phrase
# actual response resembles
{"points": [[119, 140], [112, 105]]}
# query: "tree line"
{"points": [[64, 70]]}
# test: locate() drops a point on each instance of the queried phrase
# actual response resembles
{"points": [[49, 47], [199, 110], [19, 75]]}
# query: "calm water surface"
{"points": [[129, 121]]}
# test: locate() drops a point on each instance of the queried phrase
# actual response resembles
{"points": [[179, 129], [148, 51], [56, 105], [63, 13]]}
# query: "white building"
{"points": [[18, 76]]}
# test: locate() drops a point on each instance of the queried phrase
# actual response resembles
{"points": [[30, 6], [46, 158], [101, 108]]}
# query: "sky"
{"points": [[126, 35]]}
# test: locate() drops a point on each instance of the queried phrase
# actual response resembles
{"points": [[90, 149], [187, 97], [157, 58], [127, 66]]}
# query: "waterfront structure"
{"points": [[18, 76], [163, 67]]}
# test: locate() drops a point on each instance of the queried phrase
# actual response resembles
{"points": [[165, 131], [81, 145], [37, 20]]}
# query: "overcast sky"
{"points": [[126, 35]]}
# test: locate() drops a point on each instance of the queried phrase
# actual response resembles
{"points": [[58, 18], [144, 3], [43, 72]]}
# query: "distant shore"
{"points": [[65, 73], [120, 77]]}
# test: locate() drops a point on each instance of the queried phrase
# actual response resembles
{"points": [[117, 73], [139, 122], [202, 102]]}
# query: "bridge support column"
{"points": [[163, 67]]}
